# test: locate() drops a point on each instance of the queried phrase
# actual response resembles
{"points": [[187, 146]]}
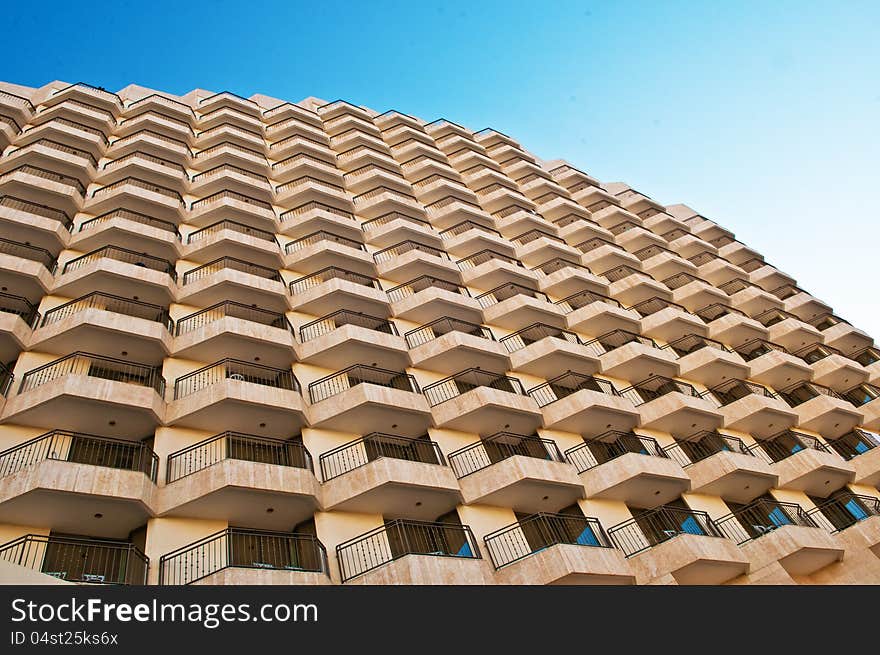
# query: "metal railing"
{"points": [[543, 530], [232, 309], [303, 284], [567, 384], [656, 526], [703, 445], [845, 510], [109, 303], [717, 310], [403, 537], [855, 443], [318, 237], [231, 263], [153, 159], [758, 347], [65, 446], [55, 145], [250, 152], [498, 447], [859, 395], [211, 173], [507, 291], [486, 255], [621, 272], [468, 380], [122, 255], [584, 298], [57, 120], [654, 305], [6, 380], [617, 338], [761, 517], [733, 390], [96, 366], [82, 560], [19, 204], [232, 226], [785, 444], [801, 392], [866, 356], [392, 252], [691, 343], [444, 325], [557, 264], [135, 217], [374, 446], [384, 219], [342, 317], [20, 306], [467, 226], [534, 333], [140, 184], [773, 316], [609, 446], [137, 137], [25, 251], [655, 387], [352, 376], [242, 548], [238, 371], [421, 283], [236, 445], [824, 321], [231, 195]]}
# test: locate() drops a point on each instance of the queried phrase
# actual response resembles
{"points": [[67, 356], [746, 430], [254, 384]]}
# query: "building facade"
{"points": [[247, 341]]}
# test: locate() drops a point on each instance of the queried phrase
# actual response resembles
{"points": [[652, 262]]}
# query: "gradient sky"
{"points": [[760, 115]]}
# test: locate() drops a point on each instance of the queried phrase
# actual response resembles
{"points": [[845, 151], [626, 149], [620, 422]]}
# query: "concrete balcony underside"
{"points": [[457, 351], [640, 480], [830, 417], [394, 487], [67, 495], [237, 339], [523, 483], [733, 476], [350, 344], [814, 472], [758, 415], [568, 564], [548, 357], [692, 560], [799, 549], [680, 414], [239, 491], [636, 361], [590, 413], [366, 408], [711, 366], [428, 570], [237, 576], [485, 410]]}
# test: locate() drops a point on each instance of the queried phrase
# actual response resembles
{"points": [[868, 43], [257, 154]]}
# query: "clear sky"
{"points": [[764, 116]]}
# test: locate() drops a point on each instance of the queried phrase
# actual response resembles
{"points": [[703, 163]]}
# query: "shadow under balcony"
{"points": [[772, 531], [389, 475], [557, 549], [237, 477], [483, 402], [236, 395], [526, 473], [364, 398], [448, 345], [683, 543], [627, 467], [241, 556], [721, 465], [61, 479], [94, 394]]}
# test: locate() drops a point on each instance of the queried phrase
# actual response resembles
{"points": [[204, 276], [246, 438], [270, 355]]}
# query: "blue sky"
{"points": [[761, 115]]}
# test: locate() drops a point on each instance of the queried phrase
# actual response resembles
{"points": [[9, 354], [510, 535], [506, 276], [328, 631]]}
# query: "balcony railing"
{"points": [[228, 168], [231, 195], [861, 394], [691, 343], [761, 517], [60, 147], [73, 125], [96, 366], [716, 310], [654, 305], [122, 255], [141, 184], [801, 392], [584, 298], [421, 283], [233, 310], [37, 209], [785, 444], [109, 303], [557, 264], [242, 548], [654, 527], [25, 251], [617, 338], [611, 445], [845, 510], [374, 446], [321, 236], [345, 379], [135, 217], [137, 137], [19, 101], [137, 154], [483, 256], [392, 252], [468, 380], [384, 219], [445, 325], [855, 443], [498, 447], [466, 226], [733, 390], [20, 306], [618, 273], [231, 263], [539, 531], [235, 445], [507, 291], [825, 321], [866, 356], [312, 280], [401, 537], [6, 380], [568, 384], [61, 445], [534, 333], [655, 387], [703, 445], [232, 226], [758, 347], [237, 370], [95, 561], [327, 324]]}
